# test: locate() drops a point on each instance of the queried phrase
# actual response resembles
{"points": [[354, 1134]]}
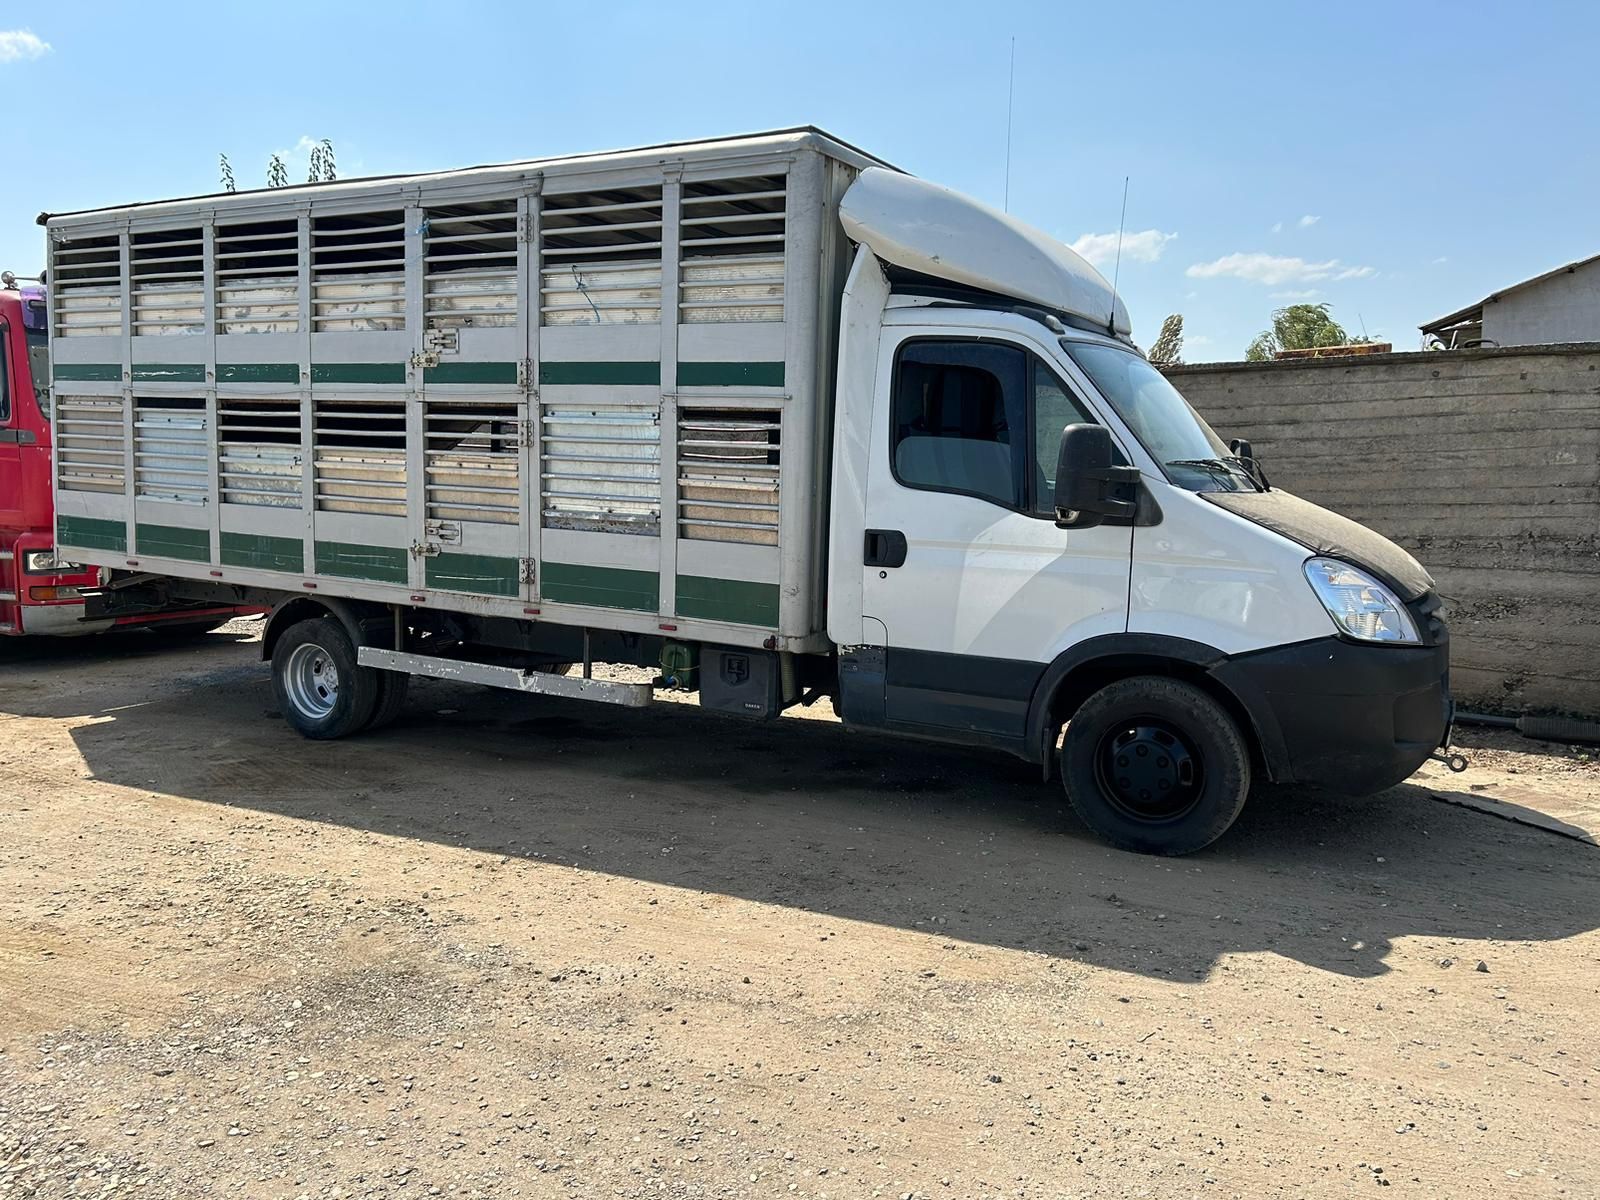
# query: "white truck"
{"points": [[762, 413]]}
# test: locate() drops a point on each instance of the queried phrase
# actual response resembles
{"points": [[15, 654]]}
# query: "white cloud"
{"points": [[1306, 294], [1277, 227], [1196, 339], [1443, 258], [1276, 269], [17, 45], [1307, 221], [1101, 248]]}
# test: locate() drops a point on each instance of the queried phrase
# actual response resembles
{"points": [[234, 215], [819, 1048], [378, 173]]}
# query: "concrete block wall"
{"points": [[1485, 464]]}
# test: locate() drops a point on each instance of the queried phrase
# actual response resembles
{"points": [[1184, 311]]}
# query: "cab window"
{"points": [[961, 419], [5, 373], [981, 419]]}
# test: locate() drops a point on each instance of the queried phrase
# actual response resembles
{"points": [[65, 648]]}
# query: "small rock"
{"points": [[1482, 967]]}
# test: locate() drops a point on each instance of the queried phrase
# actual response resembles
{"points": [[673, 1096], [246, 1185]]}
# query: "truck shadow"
{"points": [[960, 844]]}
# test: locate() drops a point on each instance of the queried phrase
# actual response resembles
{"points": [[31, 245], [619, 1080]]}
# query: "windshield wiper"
{"points": [[1220, 467]]}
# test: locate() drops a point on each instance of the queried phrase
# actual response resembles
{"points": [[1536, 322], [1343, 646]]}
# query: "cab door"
{"points": [[976, 588], [13, 434]]}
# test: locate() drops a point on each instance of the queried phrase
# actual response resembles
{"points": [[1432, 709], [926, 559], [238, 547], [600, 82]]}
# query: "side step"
{"points": [[629, 695]]}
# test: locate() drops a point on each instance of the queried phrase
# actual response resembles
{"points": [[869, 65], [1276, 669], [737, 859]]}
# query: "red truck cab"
{"points": [[38, 593]]}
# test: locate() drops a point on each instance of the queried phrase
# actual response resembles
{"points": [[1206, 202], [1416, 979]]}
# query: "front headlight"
{"points": [[45, 562], [1360, 606]]}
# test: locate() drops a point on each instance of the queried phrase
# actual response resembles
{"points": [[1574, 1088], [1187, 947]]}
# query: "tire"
{"points": [[321, 691], [1155, 765], [392, 689]]}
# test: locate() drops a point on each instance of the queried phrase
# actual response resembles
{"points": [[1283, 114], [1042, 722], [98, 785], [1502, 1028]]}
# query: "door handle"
{"points": [[884, 548]]}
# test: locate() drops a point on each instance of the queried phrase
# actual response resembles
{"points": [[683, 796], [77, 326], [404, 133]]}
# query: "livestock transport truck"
{"points": [[764, 414]]}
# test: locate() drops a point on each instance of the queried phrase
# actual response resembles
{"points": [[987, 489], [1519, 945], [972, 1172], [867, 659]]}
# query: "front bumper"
{"points": [[1350, 717], [58, 620]]}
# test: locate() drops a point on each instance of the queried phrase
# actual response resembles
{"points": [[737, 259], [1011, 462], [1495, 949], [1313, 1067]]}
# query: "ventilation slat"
{"points": [[91, 448], [731, 249], [608, 241], [258, 277], [86, 285], [359, 464], [472, 464], [600, 469], [358, 276], [729, 463], [171, 453], [259, 455]]}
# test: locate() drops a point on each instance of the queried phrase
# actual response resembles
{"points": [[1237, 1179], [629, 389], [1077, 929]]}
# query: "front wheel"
{"points": [[1155, 765], [321, 690]]}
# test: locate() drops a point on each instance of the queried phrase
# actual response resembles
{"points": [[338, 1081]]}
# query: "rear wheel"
{"points": [[1155, 765], [392, 689], [321, 690]]}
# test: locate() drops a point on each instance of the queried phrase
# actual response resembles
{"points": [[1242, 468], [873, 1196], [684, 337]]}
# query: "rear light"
{"points": [[54, 593]]}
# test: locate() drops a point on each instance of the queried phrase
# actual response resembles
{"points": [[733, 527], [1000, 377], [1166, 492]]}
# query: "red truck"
{"points": [[38, 593]]}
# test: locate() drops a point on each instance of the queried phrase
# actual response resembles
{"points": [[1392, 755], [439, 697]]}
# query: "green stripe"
{"points": [[618, 374], [734, 600], [601, 587], [358, 372], [258, 373], [730, 374], [483, 574], [89, 372], [169, 372], [466, 372], [349, 560], [263, 551], [92, 533], [170, 541]]}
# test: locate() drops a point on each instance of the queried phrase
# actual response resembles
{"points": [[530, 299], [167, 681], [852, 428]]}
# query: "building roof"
{"points": [[1474, 312]]}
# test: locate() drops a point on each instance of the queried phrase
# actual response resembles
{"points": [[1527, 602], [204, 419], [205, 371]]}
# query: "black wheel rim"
{"points": [[1149, 770]]}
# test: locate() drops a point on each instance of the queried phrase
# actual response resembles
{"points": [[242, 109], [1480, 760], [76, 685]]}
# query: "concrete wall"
{"points": [[1563, 308], [1485, 464]]}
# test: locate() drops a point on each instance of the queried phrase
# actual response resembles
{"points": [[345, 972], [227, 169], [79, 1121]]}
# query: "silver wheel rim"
{"points": [[312, 681]]}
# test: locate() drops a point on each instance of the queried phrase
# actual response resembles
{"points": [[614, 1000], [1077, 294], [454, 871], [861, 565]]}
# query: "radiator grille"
{"points": [[731, 246], [259, 457], [471, 273], [728, 474], [601, 468], [472, 462], [170, 453], [360, 457], [358, 277], [258, 277], [86, 282], [601, 257], [91, 444], [168, 268]]}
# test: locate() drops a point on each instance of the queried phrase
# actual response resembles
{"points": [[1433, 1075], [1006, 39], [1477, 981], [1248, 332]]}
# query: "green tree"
{"points": [[228, 184], [277, 173], [1167, 349], [1298, 327]]}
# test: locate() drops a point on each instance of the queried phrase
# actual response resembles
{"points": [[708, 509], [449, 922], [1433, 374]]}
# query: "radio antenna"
{"points": [[1116, 271], [1011, 92]]}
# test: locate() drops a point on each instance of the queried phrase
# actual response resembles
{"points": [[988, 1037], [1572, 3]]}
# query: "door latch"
{"points": [[884, 548]]}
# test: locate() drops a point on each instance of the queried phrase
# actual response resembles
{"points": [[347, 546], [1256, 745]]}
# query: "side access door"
{"points": [[973, 584]]}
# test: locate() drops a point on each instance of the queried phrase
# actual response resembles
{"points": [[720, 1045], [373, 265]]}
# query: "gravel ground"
{"points": [[522, 947]]}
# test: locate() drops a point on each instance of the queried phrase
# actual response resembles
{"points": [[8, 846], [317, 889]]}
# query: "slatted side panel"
{"points": [[86, 282], [731, 249], [600, 257], [360, 456], [168, 267], [258, 277], [471, 271], [170, 452], [91, 445], [258, 446], [600, 468], [729, 464], [358, 278], [472, 462]]}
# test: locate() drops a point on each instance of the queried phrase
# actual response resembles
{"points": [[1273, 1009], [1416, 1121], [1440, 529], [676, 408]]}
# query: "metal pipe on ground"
{"points": [[1549, 729]]}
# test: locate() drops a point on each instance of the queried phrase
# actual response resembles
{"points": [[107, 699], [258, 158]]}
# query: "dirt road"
{"points": [[520, 947]]}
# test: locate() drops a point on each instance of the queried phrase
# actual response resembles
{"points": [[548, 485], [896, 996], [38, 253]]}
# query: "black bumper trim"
{"points": [[1349, 717]]}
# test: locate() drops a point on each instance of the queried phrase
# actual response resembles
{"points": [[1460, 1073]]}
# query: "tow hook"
{"points": [[1456, 762]]}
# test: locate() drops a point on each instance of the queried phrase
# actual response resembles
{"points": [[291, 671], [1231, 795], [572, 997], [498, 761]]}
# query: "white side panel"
{"points": [[1214, 578], [865, 293]]}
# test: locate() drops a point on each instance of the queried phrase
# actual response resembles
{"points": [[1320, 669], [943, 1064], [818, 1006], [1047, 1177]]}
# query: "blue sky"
{"points": [[1396, 161]]}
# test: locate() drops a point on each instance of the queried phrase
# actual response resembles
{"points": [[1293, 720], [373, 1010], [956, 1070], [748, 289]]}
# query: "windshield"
{"points": [[1190, 454]]}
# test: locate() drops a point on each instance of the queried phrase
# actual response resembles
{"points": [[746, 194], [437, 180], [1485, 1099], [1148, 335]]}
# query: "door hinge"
{"points": [[525, 374], [525, 435], [525, 227], [425, 550], [425, 360], [528, 571], [441, 341]]}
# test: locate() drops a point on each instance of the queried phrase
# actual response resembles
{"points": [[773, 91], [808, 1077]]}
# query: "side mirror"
{"points": [[1245, 452], [1088, 488]]}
